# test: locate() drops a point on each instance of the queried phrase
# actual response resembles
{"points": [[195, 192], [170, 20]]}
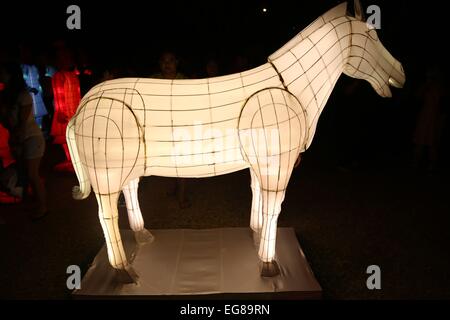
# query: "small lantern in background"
{"points": [[66, 95], [31, 77]]}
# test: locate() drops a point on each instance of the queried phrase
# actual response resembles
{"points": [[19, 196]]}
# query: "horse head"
{"points": [[369, 60]]}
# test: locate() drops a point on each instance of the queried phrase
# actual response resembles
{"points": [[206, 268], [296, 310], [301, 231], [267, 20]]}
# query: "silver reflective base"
{"points": [[203, 262]]}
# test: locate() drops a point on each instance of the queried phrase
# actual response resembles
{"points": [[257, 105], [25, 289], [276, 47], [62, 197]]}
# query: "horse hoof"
{"points": [[127, 275], [143, 236], [76, 193], [270, 269]]}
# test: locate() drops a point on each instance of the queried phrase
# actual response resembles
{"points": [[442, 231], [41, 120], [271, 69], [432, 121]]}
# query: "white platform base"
{"points": [[203, 262]]}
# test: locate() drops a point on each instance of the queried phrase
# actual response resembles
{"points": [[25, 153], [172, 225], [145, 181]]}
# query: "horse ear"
{"points": [[359, 13]]}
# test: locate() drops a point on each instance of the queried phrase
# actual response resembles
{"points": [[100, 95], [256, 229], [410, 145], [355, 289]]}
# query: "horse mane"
{"points": [[338, 11]]}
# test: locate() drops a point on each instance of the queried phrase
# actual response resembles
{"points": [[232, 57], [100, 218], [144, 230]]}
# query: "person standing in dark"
{"points": [[168, 65], [350, 130], [66, 95], [26, 139], [46, 70], [32, 80], [430, 120], [212, 68], [85, 71]]}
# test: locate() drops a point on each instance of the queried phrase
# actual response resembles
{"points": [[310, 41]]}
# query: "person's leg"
{"points": [[174, 189], [417, 156], [66, 151], [22, 174], [38, 186], [21, 168], [181, 192], [433, 157]]}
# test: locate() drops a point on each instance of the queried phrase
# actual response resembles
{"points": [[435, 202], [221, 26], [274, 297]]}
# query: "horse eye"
{"points": [[373, 34]]}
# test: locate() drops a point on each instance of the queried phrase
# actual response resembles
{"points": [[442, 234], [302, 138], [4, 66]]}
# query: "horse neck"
{"points": [[309, 74]]}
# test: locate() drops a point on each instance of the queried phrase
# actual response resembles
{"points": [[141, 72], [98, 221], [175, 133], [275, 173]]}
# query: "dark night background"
{"points": [[354, 201]]}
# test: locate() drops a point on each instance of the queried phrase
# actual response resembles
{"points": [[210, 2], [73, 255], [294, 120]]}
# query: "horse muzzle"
{"points": [[393, 82]]}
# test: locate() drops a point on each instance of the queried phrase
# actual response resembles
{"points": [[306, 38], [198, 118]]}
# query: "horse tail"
{"points": [[84, 189]]}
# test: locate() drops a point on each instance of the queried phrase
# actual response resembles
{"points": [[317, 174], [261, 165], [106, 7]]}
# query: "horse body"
{"points": [[260, 119], [190, 127]]}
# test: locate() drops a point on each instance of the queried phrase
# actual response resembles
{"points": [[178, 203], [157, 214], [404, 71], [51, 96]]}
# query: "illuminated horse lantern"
{"points": [[260, 119]]}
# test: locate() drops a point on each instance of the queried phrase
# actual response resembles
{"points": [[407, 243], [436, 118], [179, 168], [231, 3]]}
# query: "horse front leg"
{"points": [[130, 191], [272, 132], [108, 215], [272, 180]]}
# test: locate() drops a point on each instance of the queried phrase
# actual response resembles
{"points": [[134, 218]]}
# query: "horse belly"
{"points": [[194, 152]]}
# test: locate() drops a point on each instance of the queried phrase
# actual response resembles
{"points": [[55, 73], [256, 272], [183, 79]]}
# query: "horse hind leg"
{"points": [[256, 218], [108, 215], [130, 191]]}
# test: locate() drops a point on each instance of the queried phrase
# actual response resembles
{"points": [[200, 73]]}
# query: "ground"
{"points": [[345, 219]]}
